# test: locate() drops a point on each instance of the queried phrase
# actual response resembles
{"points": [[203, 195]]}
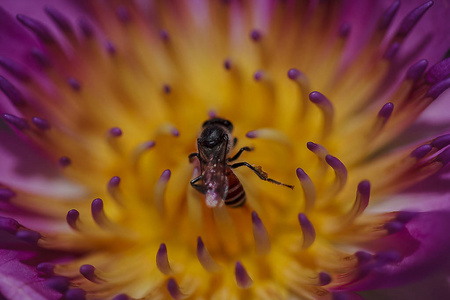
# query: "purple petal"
{"points": [[430, 287], [20, 281], [439, 71], [434, 23], [423, 248], [15, 40]]}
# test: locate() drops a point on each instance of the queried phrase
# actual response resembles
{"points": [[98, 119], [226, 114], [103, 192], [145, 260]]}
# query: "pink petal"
{"points": [[423, 248], [19, 281]]}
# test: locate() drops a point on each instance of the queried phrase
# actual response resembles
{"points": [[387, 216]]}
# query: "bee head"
{"points": [[212, 136], [219, 121]]}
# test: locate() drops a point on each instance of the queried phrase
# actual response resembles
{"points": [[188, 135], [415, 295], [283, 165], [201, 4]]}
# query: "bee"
{"points": [[217, 180]]}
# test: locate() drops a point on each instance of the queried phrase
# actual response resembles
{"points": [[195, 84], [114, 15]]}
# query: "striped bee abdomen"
{"points": [[236, 194]]}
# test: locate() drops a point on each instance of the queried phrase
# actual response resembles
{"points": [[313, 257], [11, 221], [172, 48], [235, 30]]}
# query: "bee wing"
{"points": [[215, 196], [215, 179]]}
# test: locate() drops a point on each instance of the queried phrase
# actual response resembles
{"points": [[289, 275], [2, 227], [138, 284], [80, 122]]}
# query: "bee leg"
{"points": [[236, 156], [259, 171], [191, 156], [199, 187]]}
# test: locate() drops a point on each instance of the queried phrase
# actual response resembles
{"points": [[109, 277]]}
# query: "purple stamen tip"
{"points": [[38, 28], [252, 134], [363, 256], [405, 216], [123, 14], [387, 257], [437, 89], [166, 175], [86, 28], [242, 278], [121, 297], [115, 132], [149, 144], [75, 294], [412, 18], [28, 236], [386, 111], [255, 35], [110, 48], [227, 64], [364, 188], [46, 268], [164, 35], [421, 151], [312, 146], [74, 84], [162, 250], [40, 57], [344, 30], [200, 244], [388, 15], [393, 226], [175, 132], [293, 74], [162, 261], [72, 217], [9, 225], [391, 52], [88, 271], [13, 94], [317, 98], [441, 141], [212, 114], [444, 157], [301, 175], [60, 20], [97, 206], [309, 233], [6, 194], [334, 162], [255, 219], [15, 69], [324, 278], [19, 123], [40, 123], [58, 283], [303, 219], [167, 89], [174, 289], [65, 161], [258, 75], [114, 182], [416, 70]]}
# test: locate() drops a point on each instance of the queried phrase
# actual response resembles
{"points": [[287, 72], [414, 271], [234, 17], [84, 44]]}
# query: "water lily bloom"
{"points": [[103, 101]]}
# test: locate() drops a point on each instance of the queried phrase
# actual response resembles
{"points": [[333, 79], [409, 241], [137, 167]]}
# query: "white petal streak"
{"points": [[24, 169]]}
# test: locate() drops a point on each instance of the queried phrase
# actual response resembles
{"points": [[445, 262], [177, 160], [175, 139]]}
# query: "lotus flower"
{"points": [[103, 101]]}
